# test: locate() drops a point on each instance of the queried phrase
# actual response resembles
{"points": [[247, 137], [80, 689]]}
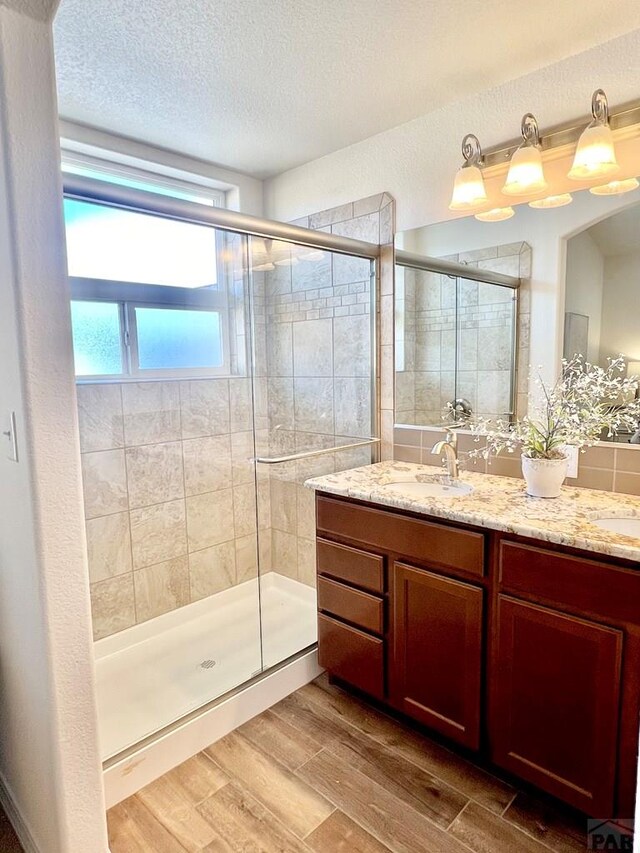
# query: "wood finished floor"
{"points": [[322, 771]]}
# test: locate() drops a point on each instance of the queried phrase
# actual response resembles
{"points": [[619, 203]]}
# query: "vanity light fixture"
{"points": [[526, 175], [552, 201], [595, 155], [616, 187], [497, 214], [468, 185]]}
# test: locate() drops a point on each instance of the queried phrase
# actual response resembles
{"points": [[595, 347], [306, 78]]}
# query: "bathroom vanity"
{"points": [[507, 624]]}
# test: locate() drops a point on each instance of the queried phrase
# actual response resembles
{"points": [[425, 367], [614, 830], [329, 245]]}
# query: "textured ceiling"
{"points": [[619, 234], [264, 86]]}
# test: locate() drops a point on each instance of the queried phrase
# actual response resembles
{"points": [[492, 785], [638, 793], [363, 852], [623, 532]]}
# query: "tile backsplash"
{"points": [[608, 467]]}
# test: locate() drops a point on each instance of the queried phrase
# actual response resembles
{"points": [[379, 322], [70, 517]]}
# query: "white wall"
{"points": [[244, 193], [49, 758], [416, 161], [620, 325], [584, 280]]}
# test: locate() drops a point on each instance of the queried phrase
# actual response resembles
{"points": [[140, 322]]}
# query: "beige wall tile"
{"points": [[240, 405], [246, 557], [629, 484], [313, 405], [352, 401], [207, 464], [313, 348], [244, 509], [242, 454], [151, 412], [284, 505], [100, 417], [210, 519], [305, 512], [158, 533], [154, 474], [280, 350], [104, 483], [307, 561], [627, 460], [597, 457], [406, 454], [161, 588], [593, 478], [212, 570], [205, 407], [280, 403], [505, 466], [108, 546], [112, 605], [265, 551], [284, 554], [311, 273]]}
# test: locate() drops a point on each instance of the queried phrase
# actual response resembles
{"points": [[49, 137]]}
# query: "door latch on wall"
{"points": [[10, 435]]}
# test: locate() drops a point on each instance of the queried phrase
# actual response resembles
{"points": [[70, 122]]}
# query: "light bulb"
{"points": [[526, 175], [468, 189], [616, 187], [552, 201], [595, 155], [468, 185], [497, 214]]}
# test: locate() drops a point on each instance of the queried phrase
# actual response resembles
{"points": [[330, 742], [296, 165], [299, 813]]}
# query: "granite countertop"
{"points": [[497, 503]]}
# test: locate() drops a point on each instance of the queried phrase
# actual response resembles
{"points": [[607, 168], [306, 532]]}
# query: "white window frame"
{"points": [[127, 295]]}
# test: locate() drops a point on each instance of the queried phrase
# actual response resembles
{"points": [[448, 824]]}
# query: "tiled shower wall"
{"points": [[315, 325], [169, 494], [169, 485], [426, 318]]}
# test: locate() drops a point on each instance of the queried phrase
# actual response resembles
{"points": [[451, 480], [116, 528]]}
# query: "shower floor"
{"points": [[154, 673]]}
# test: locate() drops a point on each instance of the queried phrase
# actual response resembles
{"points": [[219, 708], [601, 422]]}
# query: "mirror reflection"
{"points": [[579, 267], [602, 290], [455, 346]]}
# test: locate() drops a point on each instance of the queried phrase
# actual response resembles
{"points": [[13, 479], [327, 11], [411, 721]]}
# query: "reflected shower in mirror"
{"points": [[602, 289], [455, 342]]}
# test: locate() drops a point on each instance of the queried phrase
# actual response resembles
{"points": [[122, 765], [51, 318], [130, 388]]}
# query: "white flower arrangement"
{"points": [[586, 400]]}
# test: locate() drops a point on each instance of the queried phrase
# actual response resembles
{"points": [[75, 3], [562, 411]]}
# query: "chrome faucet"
{"points": [[450, 450]]}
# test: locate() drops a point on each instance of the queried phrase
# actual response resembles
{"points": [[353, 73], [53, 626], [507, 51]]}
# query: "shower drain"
{"points": [[207, 664]]}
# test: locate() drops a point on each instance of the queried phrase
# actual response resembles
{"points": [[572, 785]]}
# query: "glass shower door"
{"points": [[313, 389]]}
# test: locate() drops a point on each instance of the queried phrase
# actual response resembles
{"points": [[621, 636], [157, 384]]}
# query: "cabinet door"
{"points": [[555, 685], [437, 647]]}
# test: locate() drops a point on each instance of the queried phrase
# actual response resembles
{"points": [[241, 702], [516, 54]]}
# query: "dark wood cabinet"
{"points": [[555, 699], [434, 673], [526, 652]]}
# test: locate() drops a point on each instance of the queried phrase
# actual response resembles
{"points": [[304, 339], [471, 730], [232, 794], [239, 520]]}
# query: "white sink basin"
{"points": [[627, 526], [428, 490]]}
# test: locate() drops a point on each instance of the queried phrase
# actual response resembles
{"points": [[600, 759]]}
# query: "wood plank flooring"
{"points": [[323, 771]]}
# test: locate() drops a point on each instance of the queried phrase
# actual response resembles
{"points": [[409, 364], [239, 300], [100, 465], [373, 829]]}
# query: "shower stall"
{"points": [[221, 360]]}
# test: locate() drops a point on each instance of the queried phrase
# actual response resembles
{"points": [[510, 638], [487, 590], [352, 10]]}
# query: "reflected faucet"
{"points": [[450, 450]]}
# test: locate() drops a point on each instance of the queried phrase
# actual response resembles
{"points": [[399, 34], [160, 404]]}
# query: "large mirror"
{"points": [[579, 268]]}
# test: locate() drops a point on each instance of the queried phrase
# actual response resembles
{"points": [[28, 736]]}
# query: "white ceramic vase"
{"points": [[544, 477]]}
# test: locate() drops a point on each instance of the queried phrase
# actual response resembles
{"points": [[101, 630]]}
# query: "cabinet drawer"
{"points": [[355, 606], [590, 586], [351, 565], [351, 655], [424, 541]]}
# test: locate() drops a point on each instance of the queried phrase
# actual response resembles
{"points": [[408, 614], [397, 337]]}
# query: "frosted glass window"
{"points": [[97, 349], [178, 339], [112, 244]]}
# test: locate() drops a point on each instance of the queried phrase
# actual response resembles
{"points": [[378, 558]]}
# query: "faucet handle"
{"points": [[452, 439]]}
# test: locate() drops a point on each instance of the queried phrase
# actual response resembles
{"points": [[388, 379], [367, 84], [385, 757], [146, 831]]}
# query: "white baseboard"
{"points": [[13, 813], [123, 778]]}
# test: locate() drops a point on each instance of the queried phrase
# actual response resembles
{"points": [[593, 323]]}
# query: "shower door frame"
{"points": [[92, 190]]}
